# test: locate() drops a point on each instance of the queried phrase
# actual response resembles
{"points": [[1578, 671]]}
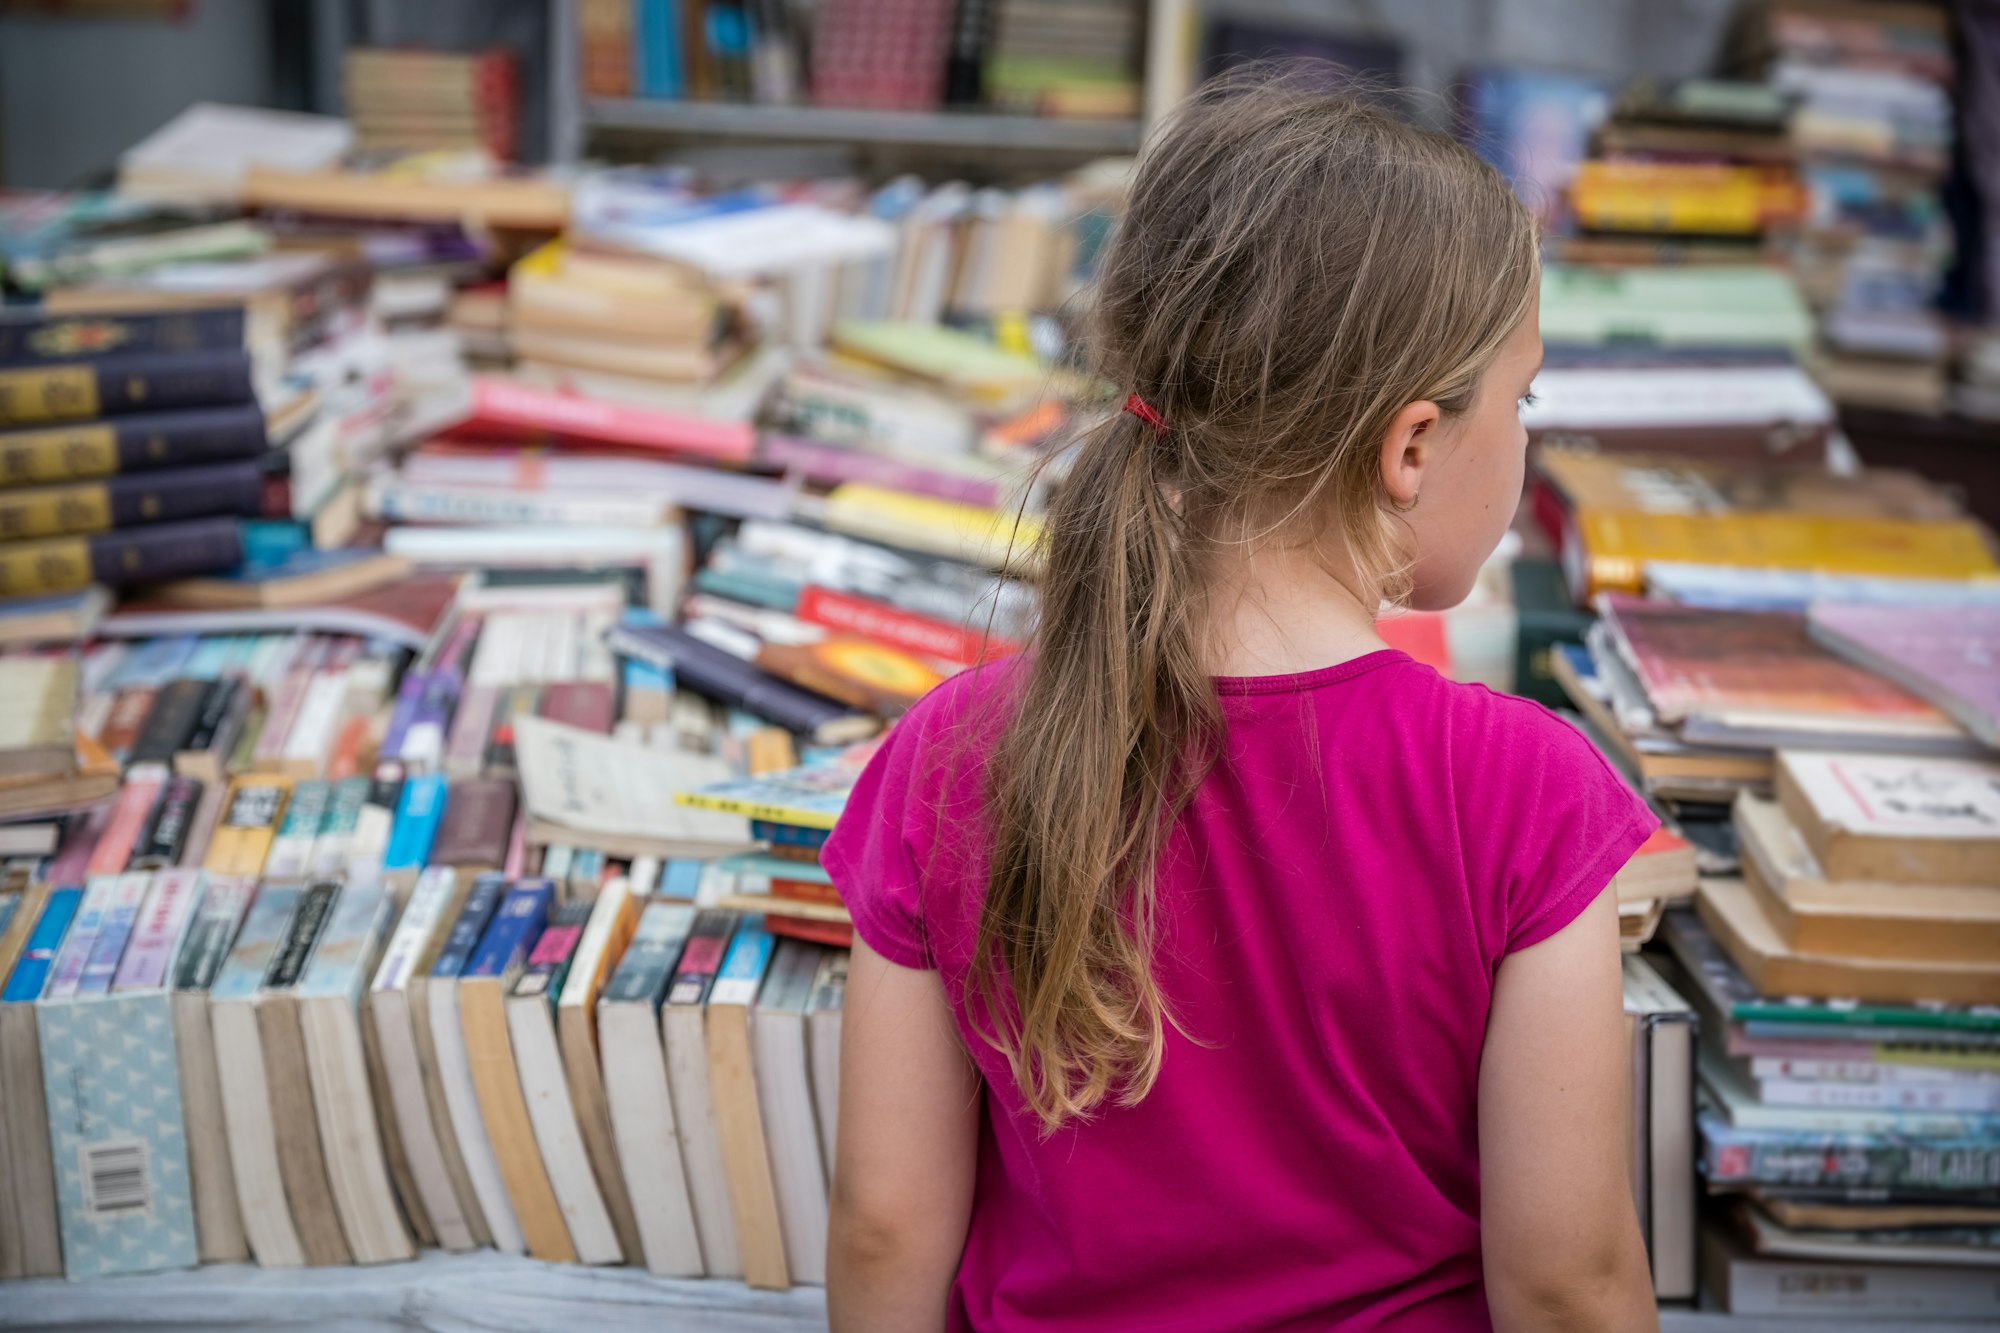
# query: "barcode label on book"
{"points": [[117, 1181]]}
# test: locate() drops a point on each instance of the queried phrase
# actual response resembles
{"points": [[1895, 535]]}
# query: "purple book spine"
{"points": [[405, 711]]}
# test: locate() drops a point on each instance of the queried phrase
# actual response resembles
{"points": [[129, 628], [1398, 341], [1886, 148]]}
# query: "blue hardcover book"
{"points": [[656, 55], [418, 814], [481, 902], [514, 929], [31, 970], [789, 835]]}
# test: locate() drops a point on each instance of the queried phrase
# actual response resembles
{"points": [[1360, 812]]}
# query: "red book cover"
{"points": [[837, 933], [1693, 661], [501, 408], [805, 891], [848, 614], [588, 704]]}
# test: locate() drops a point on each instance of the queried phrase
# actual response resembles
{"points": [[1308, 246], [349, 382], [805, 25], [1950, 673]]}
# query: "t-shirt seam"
{"points": [[1303, 682], [1589, 881]]}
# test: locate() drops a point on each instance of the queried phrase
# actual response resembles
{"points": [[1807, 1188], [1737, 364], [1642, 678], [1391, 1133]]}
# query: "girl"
{"points": [[1218, 967]]}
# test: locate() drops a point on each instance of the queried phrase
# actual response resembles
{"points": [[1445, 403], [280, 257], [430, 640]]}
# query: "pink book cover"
{"points": [[589, 704], [71, 866], [500, 407], [833, 464], [128, 816], [554, 945], [1948, 655], [163, 921], [1697, 661], [288, 698]]}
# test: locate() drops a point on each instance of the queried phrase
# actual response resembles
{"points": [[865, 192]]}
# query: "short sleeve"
{"points": [[870, 856], [1558, 822]]}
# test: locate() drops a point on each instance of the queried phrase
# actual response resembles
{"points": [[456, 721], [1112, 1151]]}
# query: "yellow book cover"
{"points": [[972, 533], [249, 824], [1618, 545]]}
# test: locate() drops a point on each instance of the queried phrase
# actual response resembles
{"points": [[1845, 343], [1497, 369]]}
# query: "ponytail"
{"points": [[1122, 708]]}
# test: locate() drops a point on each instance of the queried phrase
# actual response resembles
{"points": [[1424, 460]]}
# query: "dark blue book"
{"points": [[84, 390], [141, 442], [789, 835], [28, 339], [480, 904], [515, 927]]}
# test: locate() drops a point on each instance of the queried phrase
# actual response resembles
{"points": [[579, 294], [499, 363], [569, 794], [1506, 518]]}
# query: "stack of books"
{"points": [[1873, 133], [129, 447], [418, 101]]}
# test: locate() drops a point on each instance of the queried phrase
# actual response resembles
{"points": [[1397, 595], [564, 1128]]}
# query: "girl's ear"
{"points": [[1407, 450]]}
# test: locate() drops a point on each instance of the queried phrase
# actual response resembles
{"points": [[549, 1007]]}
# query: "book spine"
{"points": [[1849, 1162], [45, 942], [377, 823], [286, 700], [515, 927], [481, 902], [129, 816], [80, 391], [138, 555], [122, 502], [548, 961], [293, 844], [1974, 1098], [398, 501], [223, 906], [175, 712], [333, 849], [648, 966], [743, 967], [478, 817], [163, 922], [223, 709], [418, 816], [504, 406], [70, 338], [121, 914], [173, 820], [710, 670], [249, 823], [315, 905], [898, 628]]}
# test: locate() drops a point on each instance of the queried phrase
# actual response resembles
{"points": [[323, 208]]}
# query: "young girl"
{"points": [[1218, 967]]}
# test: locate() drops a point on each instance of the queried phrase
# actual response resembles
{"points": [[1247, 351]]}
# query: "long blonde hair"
{"points": [[1292, 268]]}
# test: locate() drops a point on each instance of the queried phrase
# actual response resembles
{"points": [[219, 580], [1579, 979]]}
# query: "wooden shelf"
{"points": [[485, 1292], [946, 129]]}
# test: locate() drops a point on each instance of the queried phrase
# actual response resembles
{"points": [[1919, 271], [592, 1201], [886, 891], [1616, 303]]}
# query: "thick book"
{"points": [[683, 1018], [398, 1009], [1949, 656], [302, 1166], [218, 1218], [28, 1242], [1743, 926], [498, 962], [115, 559], [531, 1028], [28, 339], [251, 1137], [1661, 1027], [1868, 1165], [1816, 914], [170, 725], [613, 919], [746, 1156], [781, 1061], [642, 1112], [1895, 819], [711, 670], [110, 1067], [234, 489], [137, 445], [823, 1010], [1745, 1283], [81, 390], [250, 815], [329, 999], [38, 732], [454, 1068], [419, 812]]}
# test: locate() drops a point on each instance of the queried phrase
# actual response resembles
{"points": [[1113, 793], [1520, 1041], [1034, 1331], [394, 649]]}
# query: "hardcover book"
{"points": [[115, 559], [28, 1245], [27, 339], [234, 489], [78, 391]]}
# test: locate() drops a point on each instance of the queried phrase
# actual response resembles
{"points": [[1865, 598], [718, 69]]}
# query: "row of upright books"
{"points": [[1026, 56], [328, 1019]]}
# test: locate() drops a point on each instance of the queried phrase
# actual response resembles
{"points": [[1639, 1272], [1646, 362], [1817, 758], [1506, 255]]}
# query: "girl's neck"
{"points": [[1280, 609]]}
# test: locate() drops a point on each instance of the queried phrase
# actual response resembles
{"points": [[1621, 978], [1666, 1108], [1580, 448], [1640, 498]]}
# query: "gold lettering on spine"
{"points": [[59, 393]]}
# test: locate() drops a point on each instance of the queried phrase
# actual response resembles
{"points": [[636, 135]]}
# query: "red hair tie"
{"points": [[1146, 412]]}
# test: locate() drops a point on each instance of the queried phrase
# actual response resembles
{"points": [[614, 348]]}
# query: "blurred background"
{"points": [[402, 403]]}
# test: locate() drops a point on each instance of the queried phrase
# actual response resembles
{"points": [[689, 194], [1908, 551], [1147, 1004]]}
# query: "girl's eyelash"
{"points": [[1529, 400]]}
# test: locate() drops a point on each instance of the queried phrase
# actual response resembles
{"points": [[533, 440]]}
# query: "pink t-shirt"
{"points": [[1336, 901]]}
